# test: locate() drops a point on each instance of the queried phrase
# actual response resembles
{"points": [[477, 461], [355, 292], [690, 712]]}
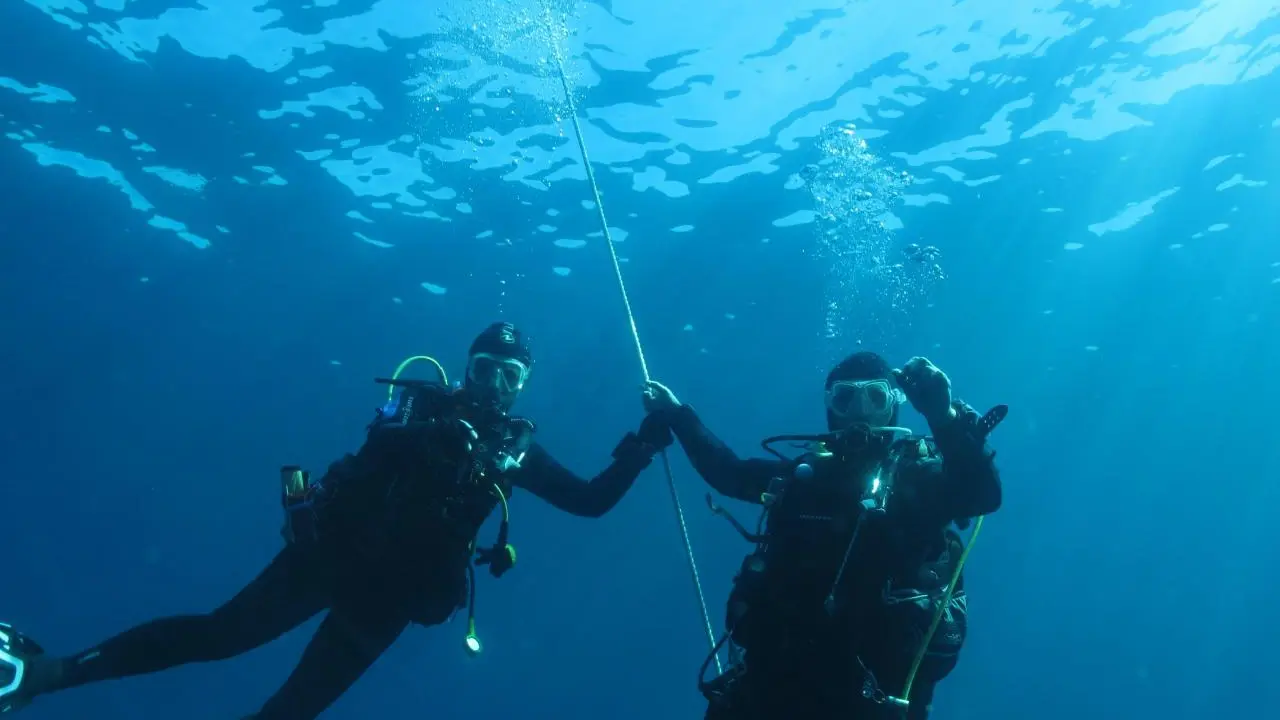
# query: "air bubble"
{"points": [[872, 287]]}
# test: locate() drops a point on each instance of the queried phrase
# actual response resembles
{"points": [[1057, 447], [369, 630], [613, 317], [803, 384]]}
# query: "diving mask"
{"points": [[869, 401], [504, 374]]}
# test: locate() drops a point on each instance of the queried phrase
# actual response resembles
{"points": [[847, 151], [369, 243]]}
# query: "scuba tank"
{"points": [[301, 497]]}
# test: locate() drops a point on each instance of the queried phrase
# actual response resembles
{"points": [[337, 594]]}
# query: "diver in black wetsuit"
{"points": [[383, 540], [855, 552]]}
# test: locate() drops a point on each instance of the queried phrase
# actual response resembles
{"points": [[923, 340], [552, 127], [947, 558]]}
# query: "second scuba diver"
{"points": [[383, 540], [852, 604]]}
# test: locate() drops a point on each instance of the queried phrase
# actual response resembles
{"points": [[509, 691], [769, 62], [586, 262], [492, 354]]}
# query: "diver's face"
{"points": [[867, 402], [496, 380]]}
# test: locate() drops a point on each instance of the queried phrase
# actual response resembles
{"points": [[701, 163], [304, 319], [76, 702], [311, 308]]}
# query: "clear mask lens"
{"points": [[499, 373], [866, 399]]}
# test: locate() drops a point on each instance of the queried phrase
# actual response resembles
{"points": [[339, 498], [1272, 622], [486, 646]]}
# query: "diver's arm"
{"points": [[971, 484], [718, 465], [542, 475]]}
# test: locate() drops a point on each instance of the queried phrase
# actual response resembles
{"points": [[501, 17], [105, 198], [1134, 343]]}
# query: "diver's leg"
{"points": [[741, 710], [716, 711], [292, 588], [344, 646]]}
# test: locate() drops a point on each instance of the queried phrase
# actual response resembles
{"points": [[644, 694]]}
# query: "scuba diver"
{"points": [[852, 604], [383, 540]]}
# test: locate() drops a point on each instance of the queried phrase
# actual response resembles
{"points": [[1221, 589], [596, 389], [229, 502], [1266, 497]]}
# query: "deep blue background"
{"points": [[1130, 573]]}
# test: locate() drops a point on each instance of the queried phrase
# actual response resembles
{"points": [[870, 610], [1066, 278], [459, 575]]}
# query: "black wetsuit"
{"points": [[394, 548], [795, 655]]}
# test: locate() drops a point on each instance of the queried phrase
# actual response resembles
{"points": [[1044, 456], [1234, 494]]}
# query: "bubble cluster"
{"points": [[527, 33], [873, 282], [496, 66]]}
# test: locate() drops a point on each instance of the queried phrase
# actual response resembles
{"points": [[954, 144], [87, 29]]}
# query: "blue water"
{"points": [[222, 218]]}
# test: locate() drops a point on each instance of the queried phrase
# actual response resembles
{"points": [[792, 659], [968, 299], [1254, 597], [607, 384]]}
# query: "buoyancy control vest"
{"points": [[828, 513], [474, 449], [839, 494]]}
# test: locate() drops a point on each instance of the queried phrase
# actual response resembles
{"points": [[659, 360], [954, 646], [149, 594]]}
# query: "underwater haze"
{"points": [[222, 219]]}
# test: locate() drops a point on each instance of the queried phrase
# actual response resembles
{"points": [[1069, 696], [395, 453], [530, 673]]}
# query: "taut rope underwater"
{"points": [[635, 335]]}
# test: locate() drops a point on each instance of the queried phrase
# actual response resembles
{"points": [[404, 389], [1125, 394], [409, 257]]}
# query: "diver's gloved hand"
{"points": [[660, 404], [927, 388], [658, 398], [655, 431]]}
